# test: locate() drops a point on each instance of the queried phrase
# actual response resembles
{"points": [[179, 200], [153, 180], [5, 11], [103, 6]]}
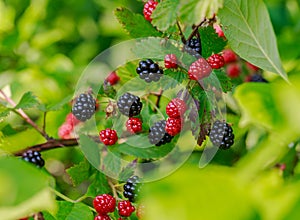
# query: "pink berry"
{"points": [[104, 204], [199, 69], [134, 125], [233, 70], [65, 130], [173, 126], [148, 9], [125, 208], [216, 61], [102, 217], [170, 61], [72, 120], [113, 78], [219, 30], [229, 56], [108, 136], [176, 108]]}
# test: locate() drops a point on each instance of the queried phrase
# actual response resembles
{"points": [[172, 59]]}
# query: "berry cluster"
{"points": [[33, 157], [132, 188], [221, 135], [149, 71], [106, 203], [65, 131], [84, 107]]}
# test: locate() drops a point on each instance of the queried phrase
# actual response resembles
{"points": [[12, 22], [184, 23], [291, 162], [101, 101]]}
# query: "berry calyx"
{"points": [[125, 208], [108, 136], [229, 56], [173, 126], [84, 107], [134, 125], [132, 188], [102, 217], [104, 204], [129, 104], [149, 71], [193, 47], [170, 61], [216, 61], [233, 70], [148, 9], [199, 69], [158, 135], [113, 78], [33, 157], [221, 135], [176, 108]]}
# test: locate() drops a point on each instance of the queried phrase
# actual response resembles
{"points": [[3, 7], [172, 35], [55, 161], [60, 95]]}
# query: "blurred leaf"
{"points": [[210, 41], [222, 80], [21, 198], [251, 38], [112, 164], [194, 11], [57, 106], [5, 79], [135, 24], [73, 211], [79, 172], [28, 100], [258, 105], [172, 78], [165, 14], [127, 171], [98, 186], [4, 111]]}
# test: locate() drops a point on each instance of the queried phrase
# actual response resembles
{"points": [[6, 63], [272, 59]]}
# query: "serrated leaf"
{"points": [[98, 186], [210, 41], [4, 111], [250, 34], [135, 24], [79, 172], [28, 100], [223, 80], [172, 78], [165, 14], [194, 11], [73, 211]]}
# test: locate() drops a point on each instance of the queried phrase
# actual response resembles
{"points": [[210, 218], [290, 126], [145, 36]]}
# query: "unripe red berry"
{"points": [[134, 125], [229, 56], [170, 61], [199, 69], [176, 108], [173, 126], [148, 9], [233, 70], [108, 136], [216, 61], [125, 208], [219, 30], [252, 67], [104, 204], [102, 217], [113, 78]]}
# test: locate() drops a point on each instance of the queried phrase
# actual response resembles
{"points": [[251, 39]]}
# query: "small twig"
{"points": [[21, 113], [159, 98], [195, 30], [44, 122], [181, 33], [50, 144]]}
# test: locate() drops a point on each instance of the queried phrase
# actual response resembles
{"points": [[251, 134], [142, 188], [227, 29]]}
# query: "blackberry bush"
{"points": [[158, 135], [149, 71], [84, 107], [221, 135], [129, 104]]}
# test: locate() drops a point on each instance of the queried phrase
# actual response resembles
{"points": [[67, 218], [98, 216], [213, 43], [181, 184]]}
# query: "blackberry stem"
{"points": [[22, 114]]}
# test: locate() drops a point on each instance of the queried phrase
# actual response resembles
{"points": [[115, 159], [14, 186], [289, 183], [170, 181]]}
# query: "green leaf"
{"points": [[57, 106], [112, 164], [165, 14], [98, 186], [73, 211], [4, 111], [28, 100], [79, 172], [250, 34], [172, 78], [210, 41], [258, 105], [90, 149], [194, 11], [223, 80], [127, 171], [135, 24], [21, 198]]}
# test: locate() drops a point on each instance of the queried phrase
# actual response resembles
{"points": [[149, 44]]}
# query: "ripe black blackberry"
{"points": [[149, 71], [192, 46], [132, 188], [129, 105], [258, 78], [84, 107], [33, 157], [158, 135], [221, 135]]}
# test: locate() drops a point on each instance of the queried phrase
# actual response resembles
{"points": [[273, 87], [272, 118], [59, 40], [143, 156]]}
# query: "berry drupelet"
{"points": [[158, 135], [221, 135], [129, 105], [33, 157], [84, 107], [132, 188], [149, 71]]}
